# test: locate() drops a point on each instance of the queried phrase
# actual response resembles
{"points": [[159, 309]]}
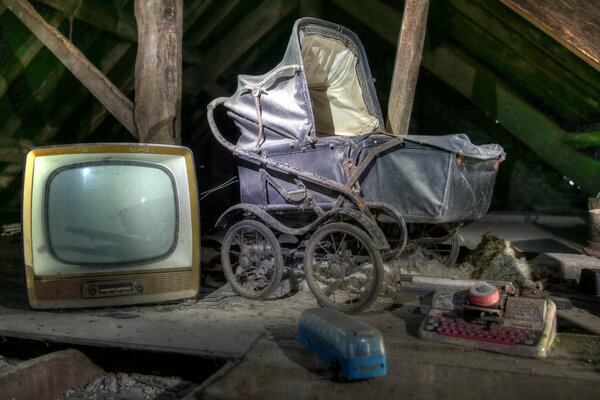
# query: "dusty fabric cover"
{"points": [[426, 182], [318, 107]]}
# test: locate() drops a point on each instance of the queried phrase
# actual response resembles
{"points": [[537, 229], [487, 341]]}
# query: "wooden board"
{"points": [[574, 23]]}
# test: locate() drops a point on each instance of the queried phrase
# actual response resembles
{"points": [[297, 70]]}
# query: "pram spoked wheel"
{"points": [[252, 260], [436, 241], [343, 267]]}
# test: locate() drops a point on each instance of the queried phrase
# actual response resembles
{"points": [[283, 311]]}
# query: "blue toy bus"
{"points": [[353, 348]]}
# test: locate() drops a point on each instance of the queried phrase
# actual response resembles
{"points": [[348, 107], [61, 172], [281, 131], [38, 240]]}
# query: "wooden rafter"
{"points": [[52, 126], [573, 23], [98, 14], [119, 105], [229, 49], [22, 57], [518, 116], [192, 11], [215, 21]]}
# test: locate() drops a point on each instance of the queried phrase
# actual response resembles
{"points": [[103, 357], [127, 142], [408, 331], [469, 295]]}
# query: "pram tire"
{"points": [[445, 252], [350, 239], [259, 250]]}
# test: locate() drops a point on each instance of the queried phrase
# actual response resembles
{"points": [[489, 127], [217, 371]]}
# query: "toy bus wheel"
{"points": [[343, 267], [252, 259]]}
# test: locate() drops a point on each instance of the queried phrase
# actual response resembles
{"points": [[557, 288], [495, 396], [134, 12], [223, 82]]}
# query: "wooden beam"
{"points": [[215, 20], [99, 14], [229, 49], [158, 70], [524, 59], [22, 57], [573, 23], [10, 173], [378, 16], [524, 121], [406, 67], [514, 113], [192, 11], [311, 8], [119, 105]]}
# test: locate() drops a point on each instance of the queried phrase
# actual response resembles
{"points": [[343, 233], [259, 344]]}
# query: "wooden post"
{"points": [[158, 70], [406, 68]]}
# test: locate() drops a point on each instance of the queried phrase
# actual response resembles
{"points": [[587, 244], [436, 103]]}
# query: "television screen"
{"points": [[110, 224]]}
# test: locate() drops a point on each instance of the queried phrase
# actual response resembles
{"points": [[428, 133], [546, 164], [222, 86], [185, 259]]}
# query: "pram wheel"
{"points": [[343, 267], [438, 242], [252, 259]]}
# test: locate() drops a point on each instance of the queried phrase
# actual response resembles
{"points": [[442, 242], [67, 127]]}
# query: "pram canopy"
{"points": [[322, 87]]}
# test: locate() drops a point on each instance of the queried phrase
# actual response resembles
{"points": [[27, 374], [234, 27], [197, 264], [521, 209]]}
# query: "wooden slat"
{"points": [[378, 16], [192, 11], [312, 8], [215, 20], [524, 61], [524, 121], [119, 105], [536, 38], [22, 57], [98, 14], [228, 50], [574, 23], [542, 84], [406, 67]]}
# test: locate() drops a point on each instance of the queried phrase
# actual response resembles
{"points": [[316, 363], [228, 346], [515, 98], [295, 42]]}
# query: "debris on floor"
{"points": [[130, 386], [493, 259]]}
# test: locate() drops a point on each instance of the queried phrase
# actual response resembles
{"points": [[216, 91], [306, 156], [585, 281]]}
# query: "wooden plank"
{"points": [[48, 376], [378, 16], [406, 67], [533, 36], [542, 84], [158, 71], [229, 49], [573, 23], [119, 105], [584, 140], [523, 120], [23, 56], [524, 61], [462, 73], [214, 21], [194, 330], [99, 14], [192, 11], [311, 8]]}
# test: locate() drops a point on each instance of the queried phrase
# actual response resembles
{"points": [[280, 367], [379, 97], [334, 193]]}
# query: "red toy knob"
{"points": [[484, 295]]}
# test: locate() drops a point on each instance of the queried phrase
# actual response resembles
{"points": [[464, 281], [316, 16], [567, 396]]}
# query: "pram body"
{"points": [[312, 142]]}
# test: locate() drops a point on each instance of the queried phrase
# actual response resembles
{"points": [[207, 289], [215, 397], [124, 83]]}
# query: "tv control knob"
{"points": [[92, 290]]}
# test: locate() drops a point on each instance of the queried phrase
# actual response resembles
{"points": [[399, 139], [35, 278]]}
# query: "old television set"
{"points": [[110, 224]]}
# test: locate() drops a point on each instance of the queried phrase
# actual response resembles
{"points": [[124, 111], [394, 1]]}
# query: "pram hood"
{"points": [[323, 86]]}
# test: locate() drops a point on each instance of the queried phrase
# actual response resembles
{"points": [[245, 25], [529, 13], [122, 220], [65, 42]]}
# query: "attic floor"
{"points": [[260, 337]]}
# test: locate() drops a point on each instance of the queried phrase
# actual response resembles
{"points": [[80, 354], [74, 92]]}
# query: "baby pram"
{"points": [[314, 163]]}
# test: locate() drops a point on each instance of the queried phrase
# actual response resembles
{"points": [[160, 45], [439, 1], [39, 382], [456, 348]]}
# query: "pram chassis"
{"points": [[348, 206]]}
